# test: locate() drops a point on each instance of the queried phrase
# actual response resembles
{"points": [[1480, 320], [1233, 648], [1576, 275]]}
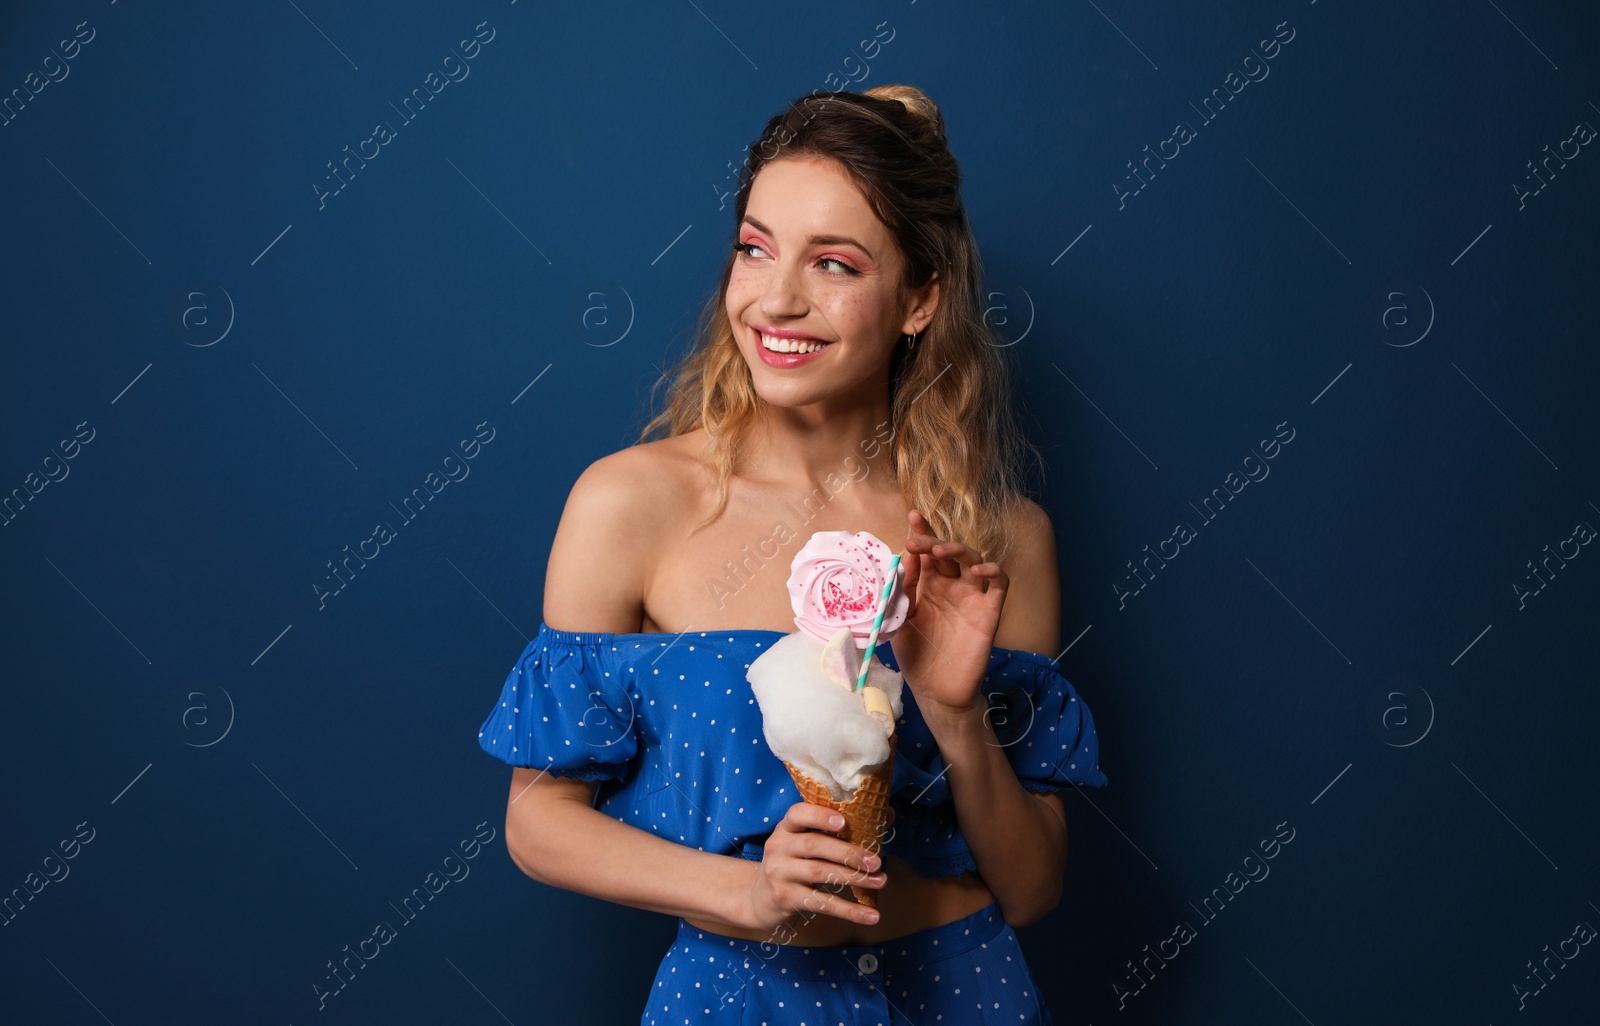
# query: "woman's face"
{"points": [[817, 264]]}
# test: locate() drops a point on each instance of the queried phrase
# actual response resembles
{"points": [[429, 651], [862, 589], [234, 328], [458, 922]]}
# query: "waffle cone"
{"points": [[865, 812]]}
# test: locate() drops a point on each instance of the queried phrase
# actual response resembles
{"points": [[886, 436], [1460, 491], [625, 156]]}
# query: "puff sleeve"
{"points": [[1045, 728], [563, 709]]}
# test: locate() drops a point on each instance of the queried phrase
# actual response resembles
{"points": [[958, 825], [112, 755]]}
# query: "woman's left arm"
{"points": [[1017, 838]]}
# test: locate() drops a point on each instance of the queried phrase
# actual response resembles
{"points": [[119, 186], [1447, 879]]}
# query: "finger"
{"points": [[993, 576], [957, 551], [963, 555], [834, 905], [831, 877], [998, 578], [921, 533], [951, 557], [946, 561], [853, 858], [805, 816], [913, 564], [817, 828]]}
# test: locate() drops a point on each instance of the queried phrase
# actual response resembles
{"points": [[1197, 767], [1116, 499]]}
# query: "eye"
{"points": [[753, 249]]}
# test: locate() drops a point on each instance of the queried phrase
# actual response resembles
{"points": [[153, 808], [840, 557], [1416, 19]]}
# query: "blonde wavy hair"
{"points": [[957, 450]]}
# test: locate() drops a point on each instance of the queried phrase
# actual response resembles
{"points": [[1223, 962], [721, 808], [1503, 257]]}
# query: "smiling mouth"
{"points": [[789, 345]]}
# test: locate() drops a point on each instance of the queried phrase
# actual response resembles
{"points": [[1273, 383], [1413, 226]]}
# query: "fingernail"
{"points": [[836, 821], [871, 862], [872, 916]]}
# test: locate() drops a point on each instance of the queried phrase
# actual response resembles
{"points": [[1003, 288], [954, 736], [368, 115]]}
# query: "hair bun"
{"points": [[914, 100]]}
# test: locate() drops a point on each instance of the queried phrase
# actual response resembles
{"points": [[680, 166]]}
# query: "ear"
{"points": [[841, 660], [923, 303]]}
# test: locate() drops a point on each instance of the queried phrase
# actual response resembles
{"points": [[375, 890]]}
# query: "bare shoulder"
{"points": [[602, 556], [1031, 618]]}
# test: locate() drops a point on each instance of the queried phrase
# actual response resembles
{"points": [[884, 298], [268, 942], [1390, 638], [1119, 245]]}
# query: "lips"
{"points": [[778, 340], [784, 332], [790, 358]]}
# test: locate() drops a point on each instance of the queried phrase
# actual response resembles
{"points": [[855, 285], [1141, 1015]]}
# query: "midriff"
{"points": [[907, 903]]}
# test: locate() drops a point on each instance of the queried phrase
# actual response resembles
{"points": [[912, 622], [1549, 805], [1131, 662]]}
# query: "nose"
{"points": [[784, 295]]}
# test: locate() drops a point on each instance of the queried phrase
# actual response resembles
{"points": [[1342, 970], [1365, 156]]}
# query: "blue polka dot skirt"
{"points": [[967, 971]]}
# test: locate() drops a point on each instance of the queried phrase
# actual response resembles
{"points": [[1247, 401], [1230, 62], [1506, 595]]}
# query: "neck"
{"points": [[799, 448]]}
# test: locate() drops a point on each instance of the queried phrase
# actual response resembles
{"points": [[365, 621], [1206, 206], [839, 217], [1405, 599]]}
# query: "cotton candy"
{"points": [[813, 719]]}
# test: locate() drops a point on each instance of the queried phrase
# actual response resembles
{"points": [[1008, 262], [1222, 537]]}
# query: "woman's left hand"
{"points": [[943, 646]]}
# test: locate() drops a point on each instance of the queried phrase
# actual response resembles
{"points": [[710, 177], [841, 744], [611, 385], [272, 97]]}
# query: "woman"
{"points": [[843, 379]]}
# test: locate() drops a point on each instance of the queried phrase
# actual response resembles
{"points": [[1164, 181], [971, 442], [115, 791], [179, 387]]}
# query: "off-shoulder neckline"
{"points": [[596, 637]]}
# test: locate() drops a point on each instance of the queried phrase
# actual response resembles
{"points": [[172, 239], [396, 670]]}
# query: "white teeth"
{"points": [[789, 345]]}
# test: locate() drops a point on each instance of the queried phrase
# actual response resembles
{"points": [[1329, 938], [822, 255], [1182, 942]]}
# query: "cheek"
{"points": [[741, 291], [859, 315]]}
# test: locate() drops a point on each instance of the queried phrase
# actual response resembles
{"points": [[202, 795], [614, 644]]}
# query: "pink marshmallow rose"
{"points": [[835, 581]]}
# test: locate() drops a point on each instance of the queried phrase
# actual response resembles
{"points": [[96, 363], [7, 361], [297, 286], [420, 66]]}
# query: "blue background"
{"points": [[1341, 250]]}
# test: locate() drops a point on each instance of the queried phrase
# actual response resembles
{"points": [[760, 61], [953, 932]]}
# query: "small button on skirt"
{"points": [[969, 970]]}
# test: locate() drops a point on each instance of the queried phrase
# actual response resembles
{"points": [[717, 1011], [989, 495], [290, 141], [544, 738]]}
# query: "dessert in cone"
{"points": [[828, 707], [865, 812]]}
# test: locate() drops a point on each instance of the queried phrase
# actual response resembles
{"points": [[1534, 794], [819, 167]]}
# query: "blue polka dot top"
{"points": [[669, 726]]}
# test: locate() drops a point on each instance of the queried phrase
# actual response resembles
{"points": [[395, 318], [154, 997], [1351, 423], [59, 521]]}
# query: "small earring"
{"points": [[913, 340]]}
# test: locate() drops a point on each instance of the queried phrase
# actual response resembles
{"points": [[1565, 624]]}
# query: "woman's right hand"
{"points": [[802, 852]]}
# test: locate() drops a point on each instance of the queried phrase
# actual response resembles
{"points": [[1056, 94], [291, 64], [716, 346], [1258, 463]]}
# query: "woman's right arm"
{"points": [[557, 837], [600, 561]]}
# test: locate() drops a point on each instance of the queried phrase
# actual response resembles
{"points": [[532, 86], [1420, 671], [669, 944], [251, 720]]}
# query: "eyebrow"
{"points": [[816, 240]]}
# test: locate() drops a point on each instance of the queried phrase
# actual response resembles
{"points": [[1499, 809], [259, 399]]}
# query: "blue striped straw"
{"points": [[877, 623]]}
